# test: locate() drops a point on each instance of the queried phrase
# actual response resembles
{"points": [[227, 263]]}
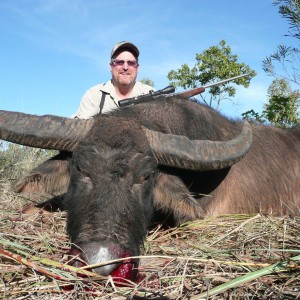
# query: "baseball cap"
{"points": [[125, 45]]}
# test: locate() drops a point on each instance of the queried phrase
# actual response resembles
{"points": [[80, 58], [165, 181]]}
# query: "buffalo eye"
{"points": [[82, 171], [144, 178]]}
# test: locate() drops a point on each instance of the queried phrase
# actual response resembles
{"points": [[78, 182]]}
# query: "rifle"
{"points": [[169, 91]]}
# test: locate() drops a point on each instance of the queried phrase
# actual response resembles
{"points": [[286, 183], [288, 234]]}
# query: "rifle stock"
{"points": [[191, 93]]}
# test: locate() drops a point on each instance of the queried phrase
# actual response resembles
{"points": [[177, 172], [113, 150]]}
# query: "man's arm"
{"points": [[89, 104]]}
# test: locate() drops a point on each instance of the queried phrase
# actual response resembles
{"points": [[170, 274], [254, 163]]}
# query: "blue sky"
{"points": [[53, 50]]}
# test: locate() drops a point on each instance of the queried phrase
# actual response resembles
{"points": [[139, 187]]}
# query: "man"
{"points": [[124, 68]]}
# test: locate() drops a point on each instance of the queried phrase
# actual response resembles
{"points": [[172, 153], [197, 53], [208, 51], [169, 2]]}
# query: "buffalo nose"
{"points": [[94, 253], [102, 255]]}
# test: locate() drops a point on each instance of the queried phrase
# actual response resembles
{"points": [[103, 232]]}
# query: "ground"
{"points": [[229, 257]]}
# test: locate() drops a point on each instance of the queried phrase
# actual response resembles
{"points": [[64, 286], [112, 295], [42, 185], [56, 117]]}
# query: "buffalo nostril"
{"points": [[75, 258]]}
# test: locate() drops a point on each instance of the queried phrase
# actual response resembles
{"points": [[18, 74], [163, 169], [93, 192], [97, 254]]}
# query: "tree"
{"points": [[147, 81], [284, 63], [282, 107], [290, 9], [287, 59], [212, 65], [253, 115]]}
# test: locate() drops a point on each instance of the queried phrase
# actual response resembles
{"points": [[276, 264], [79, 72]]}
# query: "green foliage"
{"points": [[281, 111], [253, 115], [284, 63], [290, 10], [282, 107], [212, 65], [147, 81], [279, 87]]}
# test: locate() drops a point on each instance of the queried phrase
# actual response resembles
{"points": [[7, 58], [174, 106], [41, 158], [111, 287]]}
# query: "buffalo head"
{"points": [[118, 171]]}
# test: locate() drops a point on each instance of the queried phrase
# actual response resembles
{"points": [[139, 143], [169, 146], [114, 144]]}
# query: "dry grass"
{"points": [[178, 263]]}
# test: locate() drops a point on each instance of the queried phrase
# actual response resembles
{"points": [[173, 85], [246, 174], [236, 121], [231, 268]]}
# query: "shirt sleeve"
{"points": [[89, 104]]}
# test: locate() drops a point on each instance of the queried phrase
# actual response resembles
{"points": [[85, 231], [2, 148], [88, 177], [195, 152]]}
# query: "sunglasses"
{"points": [[120, 63]]}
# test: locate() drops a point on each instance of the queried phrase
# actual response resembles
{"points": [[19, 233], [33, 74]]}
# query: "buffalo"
{"points": [[164, 159]]}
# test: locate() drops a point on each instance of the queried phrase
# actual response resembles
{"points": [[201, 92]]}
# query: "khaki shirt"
{"points": [[90, 102]]}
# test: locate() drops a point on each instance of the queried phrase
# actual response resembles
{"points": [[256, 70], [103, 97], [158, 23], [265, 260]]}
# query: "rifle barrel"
{"points": [[169, 91], [224, 81], [199, 90]]}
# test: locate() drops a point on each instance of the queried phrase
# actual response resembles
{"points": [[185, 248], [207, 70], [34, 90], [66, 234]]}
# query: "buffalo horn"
{"points": [[180, 152], [46, 132]]}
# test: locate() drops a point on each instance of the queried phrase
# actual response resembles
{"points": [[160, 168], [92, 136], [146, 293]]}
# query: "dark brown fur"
{"points": [[266, 180], [116, 185]]}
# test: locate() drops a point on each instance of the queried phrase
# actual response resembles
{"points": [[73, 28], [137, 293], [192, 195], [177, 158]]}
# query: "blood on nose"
{"points": [[127, 269], [91, 254]]}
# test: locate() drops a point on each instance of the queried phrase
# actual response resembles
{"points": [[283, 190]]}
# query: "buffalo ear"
{"points": [[51, 177], [172, 196]]}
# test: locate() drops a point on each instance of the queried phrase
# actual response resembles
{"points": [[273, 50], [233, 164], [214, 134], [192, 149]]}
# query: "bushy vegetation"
{"points": [[16, 159]]}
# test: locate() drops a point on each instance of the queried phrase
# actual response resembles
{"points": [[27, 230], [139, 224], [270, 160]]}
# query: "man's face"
{"points": [[124, 74]]}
